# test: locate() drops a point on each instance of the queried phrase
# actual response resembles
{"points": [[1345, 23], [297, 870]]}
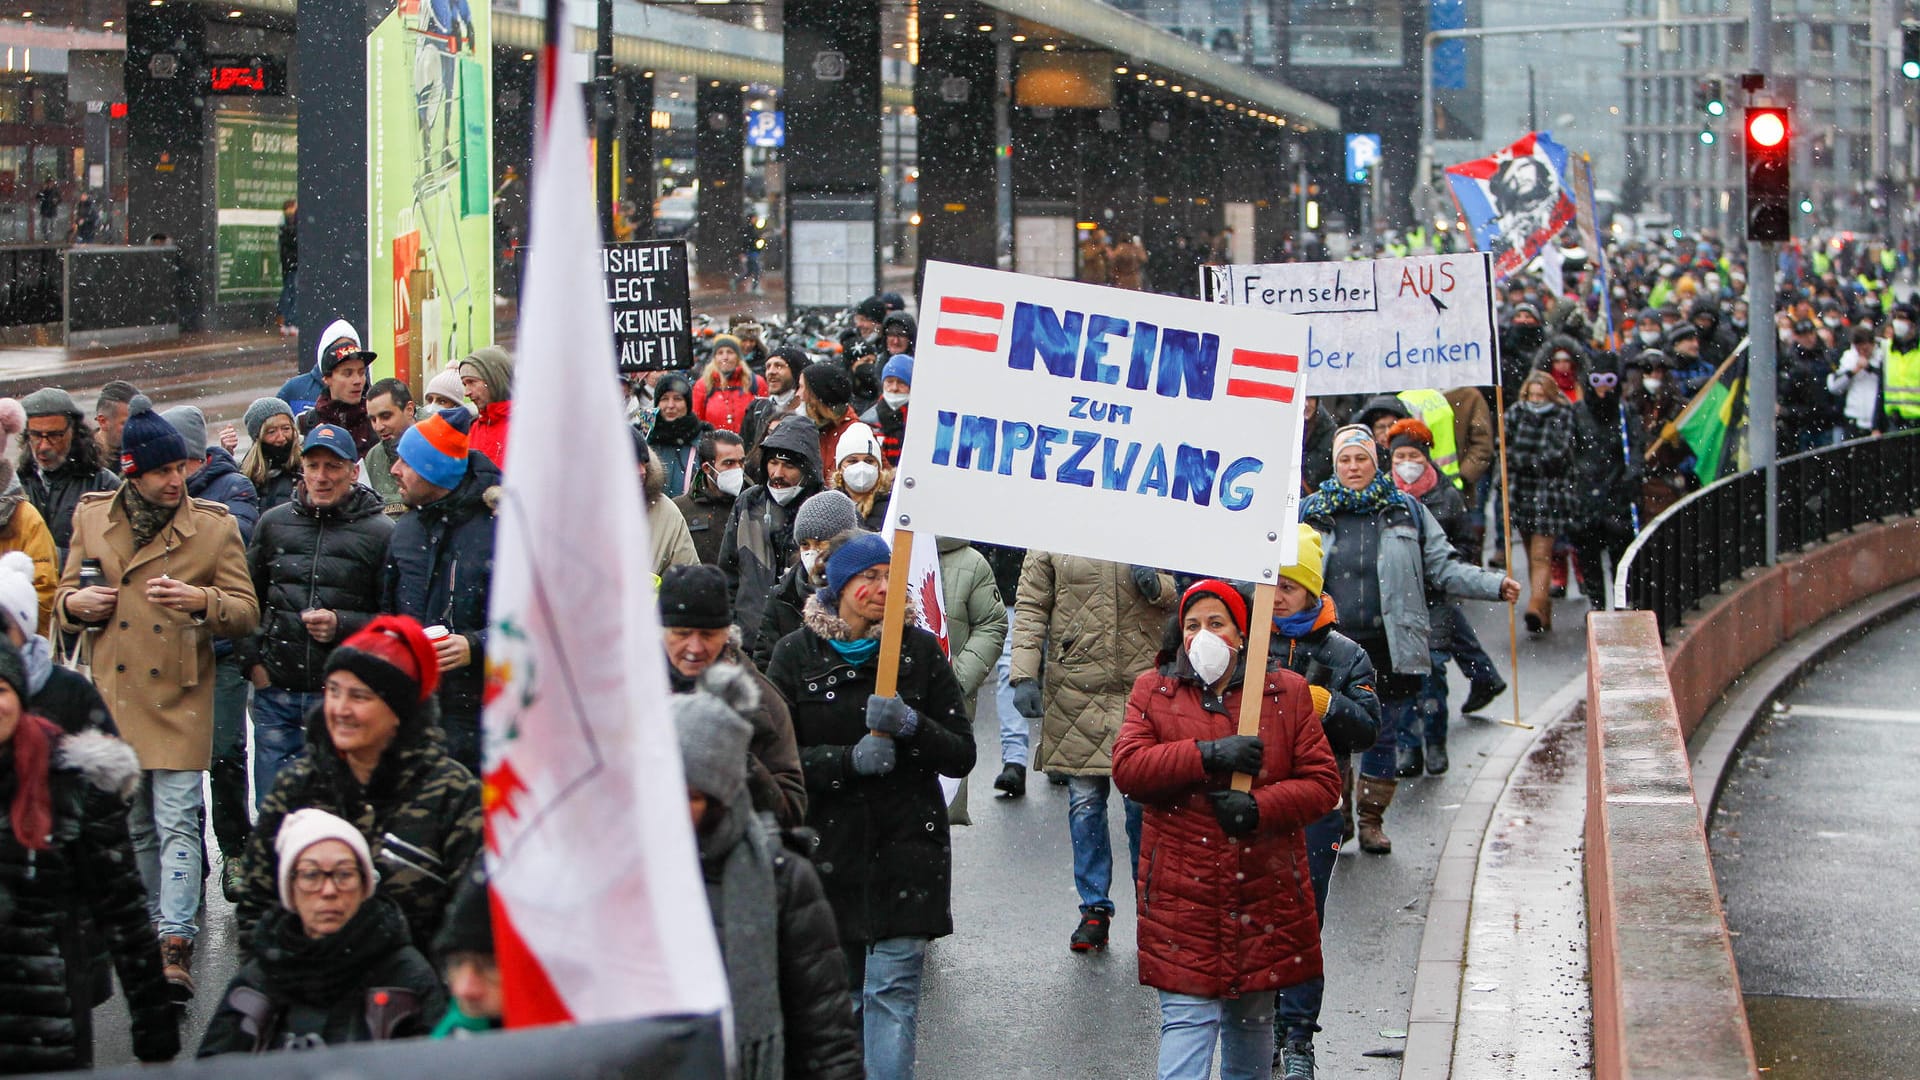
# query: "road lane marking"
{"points": [[1845, 712]]}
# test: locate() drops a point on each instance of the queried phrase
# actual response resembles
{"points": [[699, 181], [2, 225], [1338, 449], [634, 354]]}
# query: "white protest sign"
{"points": [[1105, 423], [1382, 325]]}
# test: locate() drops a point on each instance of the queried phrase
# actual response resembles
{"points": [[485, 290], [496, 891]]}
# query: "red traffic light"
{"points": [[1767, 127]]}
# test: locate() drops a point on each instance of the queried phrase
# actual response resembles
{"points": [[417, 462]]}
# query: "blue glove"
{"points": [[891, 716], [873, 756], [1026, 698]]}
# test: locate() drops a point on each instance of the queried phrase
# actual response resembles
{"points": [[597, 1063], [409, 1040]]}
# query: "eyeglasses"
{"points": [[312, 880], [1603, 379], [49, 436]]}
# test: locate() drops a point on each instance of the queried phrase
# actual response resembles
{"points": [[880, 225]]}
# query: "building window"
{"points": [[1820, 38], [1345, 33]]}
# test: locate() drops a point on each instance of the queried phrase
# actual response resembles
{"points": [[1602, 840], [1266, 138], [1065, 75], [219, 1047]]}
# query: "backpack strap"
{"points": [[258, 1015], [387, 1008]]}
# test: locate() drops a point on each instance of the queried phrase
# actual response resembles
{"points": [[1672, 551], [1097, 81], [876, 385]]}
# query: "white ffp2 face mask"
{"points": [[730, 481], [1410, 471], [783, 495], [895, 401], [860, 476], [807, 559], [1210, 656]]}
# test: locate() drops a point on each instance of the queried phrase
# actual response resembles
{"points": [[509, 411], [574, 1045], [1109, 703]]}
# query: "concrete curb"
{"points": [[1726, 727], [1435, 1012]]}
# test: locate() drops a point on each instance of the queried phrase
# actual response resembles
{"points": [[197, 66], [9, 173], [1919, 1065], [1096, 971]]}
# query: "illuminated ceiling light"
{"points": [[1177, 88], [1142, 76], [985, 28], [744, 88], [1193, 93], [1019, 37], [1049, 47], [1120, 71], [714, 84], [108, 24], [1206, 97], [234, 14], [646, 74], [899, 44], [526, 56], [155, 3], [951, 15], [1159, 82]]}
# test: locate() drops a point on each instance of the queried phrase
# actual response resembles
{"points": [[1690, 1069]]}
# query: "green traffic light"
{"points": [[1706, 138], [1911, 69], [1719, 108], [1806, 206]]}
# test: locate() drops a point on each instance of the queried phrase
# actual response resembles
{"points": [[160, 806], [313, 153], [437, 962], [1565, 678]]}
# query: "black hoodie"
{"points": [[758, 545]]}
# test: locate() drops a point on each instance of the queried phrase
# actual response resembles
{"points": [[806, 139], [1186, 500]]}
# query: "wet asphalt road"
{"points": [[1004, 997], [1814, 842]]}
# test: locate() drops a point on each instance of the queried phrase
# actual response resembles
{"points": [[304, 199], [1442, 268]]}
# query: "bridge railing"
{"points": [[1715, 535]]}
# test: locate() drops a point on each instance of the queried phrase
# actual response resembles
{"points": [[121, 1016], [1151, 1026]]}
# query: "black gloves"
{"points": [[1235, 753], [1238, 814], [1026, 698], [1146, 582]]}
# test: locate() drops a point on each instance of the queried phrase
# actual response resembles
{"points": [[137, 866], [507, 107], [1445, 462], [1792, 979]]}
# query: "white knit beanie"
{"points": [[857, 439], [304, 828], [19, 600]]}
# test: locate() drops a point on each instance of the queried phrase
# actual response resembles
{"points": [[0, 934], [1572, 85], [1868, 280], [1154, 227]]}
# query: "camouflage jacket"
{"points": [[419, 811]]}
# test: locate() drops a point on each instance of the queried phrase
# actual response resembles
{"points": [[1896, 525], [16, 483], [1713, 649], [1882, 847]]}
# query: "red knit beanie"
{"points": [[394, 658], [1221, 591]]}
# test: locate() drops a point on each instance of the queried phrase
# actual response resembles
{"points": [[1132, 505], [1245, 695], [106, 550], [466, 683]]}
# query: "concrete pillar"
{"points": [[719, 161], [636, 149], [169, 151], [832, 77], [955, 91], [332, 38]]}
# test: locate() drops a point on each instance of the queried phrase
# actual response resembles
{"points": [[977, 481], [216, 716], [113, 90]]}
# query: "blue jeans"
{"points": [[1297, 1007], [1014, 728], [279, 734], [1191, 1026], [165, 823], [886, 1002], [1395, 714], [1092, 844], [1430, 708], [288, 307]]}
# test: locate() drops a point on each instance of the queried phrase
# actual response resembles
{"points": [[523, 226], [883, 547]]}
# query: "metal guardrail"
{"points": [[1715, 535]]}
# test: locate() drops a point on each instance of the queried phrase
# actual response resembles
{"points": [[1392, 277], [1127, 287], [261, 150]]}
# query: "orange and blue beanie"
{"points": [[436, 447]]}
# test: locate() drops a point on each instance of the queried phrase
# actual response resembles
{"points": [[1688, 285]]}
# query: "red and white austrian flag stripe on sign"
{"points": [[969, 324], [1272, 376]]}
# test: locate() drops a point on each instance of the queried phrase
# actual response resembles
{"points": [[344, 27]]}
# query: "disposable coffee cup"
{"points": [[435, 633]]}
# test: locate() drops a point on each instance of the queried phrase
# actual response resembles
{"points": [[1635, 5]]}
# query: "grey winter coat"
{"points": [[1415, 557]]}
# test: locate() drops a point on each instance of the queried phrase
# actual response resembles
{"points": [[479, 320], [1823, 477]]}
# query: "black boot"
{"points": [[1012, 781], [1483, 694], [1407, 760], [1436, 758], [1092, 932]]}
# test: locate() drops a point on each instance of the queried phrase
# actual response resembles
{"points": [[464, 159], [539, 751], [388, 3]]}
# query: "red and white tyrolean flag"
{"points": [[599, 908]]}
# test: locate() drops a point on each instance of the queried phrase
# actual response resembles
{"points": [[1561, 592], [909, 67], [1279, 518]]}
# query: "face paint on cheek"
{"points": [[862, 593]]}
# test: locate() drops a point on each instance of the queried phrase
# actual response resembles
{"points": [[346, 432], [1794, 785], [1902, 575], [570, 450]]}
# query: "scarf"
{"points": [[1568, 382], [319, 971], [146, 518], [32, 807], [856, 652], [277, 457], [1336, 498], [1299, 626], [737, 862], [1419, 488], [38, 653], [681, 432]]}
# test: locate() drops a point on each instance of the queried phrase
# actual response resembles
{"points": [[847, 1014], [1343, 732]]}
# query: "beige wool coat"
{"points": [[154, 665], [1083, 630]]}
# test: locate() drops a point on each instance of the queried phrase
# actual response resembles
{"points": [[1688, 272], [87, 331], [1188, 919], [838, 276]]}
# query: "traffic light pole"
{"points": [[1763, 335]]}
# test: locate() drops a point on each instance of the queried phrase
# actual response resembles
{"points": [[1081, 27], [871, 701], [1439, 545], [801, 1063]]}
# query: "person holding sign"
{"points": [[872, 766], [1225, 916], [1384, 551]]}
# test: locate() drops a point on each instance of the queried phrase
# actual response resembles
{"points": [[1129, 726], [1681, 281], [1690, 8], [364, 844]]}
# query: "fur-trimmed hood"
{"points": [[102, 760], [828, 624]]}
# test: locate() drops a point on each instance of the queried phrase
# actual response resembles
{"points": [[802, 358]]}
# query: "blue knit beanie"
{"points": [[855, 557], [148, 441], [900, 367]]}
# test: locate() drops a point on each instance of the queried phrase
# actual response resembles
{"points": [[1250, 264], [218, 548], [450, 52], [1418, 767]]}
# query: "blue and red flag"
{"points": [[1516, 200]]}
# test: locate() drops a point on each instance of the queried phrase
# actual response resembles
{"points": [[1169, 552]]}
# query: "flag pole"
{"points": [[1252, 688], [1506, 540], [1674, 427]]}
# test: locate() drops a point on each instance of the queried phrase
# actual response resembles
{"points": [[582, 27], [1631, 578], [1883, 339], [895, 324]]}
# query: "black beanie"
{"points": [[13, 671], [695, 597], [468, 926], [829, 383]]}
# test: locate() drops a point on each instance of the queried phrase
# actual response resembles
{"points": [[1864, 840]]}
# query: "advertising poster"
{"points": [[1105, 423], [256, 170], [429, 172]]}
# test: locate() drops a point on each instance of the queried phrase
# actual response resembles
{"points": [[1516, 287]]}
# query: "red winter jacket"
{"points": [[725, 406], [489, 432], [1218, 917]]}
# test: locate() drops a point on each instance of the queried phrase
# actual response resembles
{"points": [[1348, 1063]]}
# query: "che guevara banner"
{"points": [[1516, 200], [1379, 326], [1106, 423]]}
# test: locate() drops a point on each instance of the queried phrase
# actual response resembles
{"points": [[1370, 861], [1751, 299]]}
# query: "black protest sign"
{"points": [[651, 304]]}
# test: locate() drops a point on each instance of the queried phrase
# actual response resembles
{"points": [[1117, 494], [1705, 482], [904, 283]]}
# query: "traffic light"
{"points": [[1769, 186], [1910, 50], [1713, 100]]}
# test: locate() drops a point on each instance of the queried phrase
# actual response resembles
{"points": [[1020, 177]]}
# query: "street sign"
{"points": [[767, 128], [646, 282], [1363, 153]]}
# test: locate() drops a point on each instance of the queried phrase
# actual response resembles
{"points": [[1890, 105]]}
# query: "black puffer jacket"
{"points": [[439, 567], [758, 545], [303, 557], [884, 853], [46, 986], [1327, 658], [56, 494], [419, 812], [301, 993], [782, 616]]}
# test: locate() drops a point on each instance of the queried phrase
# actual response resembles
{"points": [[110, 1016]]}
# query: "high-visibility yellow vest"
{"points": [[1821, 263], [1903, 383], [1433, 410], [1889, 261]]}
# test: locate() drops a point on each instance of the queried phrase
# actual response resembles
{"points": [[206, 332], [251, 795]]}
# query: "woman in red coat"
{"points": [[1225, 896], [727, 387]]}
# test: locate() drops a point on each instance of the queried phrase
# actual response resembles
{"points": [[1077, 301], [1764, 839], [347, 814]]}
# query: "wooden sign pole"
{"points": [[1253, 688], [893, 629], [1506, 521]]}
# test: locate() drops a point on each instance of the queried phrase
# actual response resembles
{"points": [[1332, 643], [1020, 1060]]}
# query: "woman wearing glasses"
{"points": [[332, 964], [376, 758]]}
